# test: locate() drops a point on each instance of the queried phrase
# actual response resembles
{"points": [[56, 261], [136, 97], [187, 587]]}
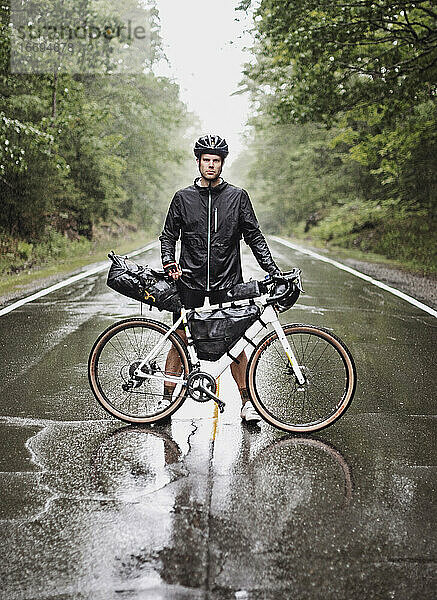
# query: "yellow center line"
{"points": [[216, 413]]}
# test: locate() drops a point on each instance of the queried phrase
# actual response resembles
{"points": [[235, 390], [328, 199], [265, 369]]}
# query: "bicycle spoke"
{"points": [[318, 413], [327, 358], [282, 354], [306, 347], [289, 403], [136, 342], [321, 392], [147, 345], [307, 358], [122, 353], [129, 339], [113, 370], [319, 357]]}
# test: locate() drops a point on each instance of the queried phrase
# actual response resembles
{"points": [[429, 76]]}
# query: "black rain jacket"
{"points": [[211, 223]]}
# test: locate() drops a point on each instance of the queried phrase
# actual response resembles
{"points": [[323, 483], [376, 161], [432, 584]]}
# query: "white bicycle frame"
{"points": [[268, 317]]}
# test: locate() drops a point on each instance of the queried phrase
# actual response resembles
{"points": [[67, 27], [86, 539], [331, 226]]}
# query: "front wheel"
{"points": [[113, 362], [330, 379]]}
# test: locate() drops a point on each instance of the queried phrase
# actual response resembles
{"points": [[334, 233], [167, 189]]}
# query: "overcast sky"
{"points": [[196, 36]]}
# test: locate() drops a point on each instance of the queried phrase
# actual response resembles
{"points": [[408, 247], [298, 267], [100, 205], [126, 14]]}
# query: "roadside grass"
{"points": [[403, 241], [342, 254], [74, 256]]}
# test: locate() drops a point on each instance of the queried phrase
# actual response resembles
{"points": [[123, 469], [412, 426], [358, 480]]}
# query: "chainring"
{"points": [[201, 379]]}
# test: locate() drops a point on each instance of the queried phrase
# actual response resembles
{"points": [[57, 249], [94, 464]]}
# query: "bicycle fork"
{"points": [[287, 349]]}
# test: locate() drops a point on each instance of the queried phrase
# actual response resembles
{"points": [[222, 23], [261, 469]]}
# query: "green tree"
{"points": [[363, 74], [83, 149], [319, 58]]}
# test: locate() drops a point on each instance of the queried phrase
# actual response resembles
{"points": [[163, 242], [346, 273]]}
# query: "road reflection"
{"points": [[135, 458], [314, 459], [133, 461], [215, 514]]}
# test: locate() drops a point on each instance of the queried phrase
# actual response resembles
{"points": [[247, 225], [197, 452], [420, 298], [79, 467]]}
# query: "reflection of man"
{"points": [[210, 217]]}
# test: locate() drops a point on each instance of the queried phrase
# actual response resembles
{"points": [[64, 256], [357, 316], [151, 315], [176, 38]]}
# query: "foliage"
{"points": [[345, 93], [78, 147], [318, 58]]}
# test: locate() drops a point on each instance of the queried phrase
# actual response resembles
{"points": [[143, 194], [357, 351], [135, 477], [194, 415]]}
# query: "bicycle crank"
{"points": [[203, 387]]}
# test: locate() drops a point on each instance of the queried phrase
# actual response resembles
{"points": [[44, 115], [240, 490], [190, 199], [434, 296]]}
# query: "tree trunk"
{"points": [[55, 85]]}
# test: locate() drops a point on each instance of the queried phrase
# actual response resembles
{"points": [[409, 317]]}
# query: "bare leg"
{"points": [[173, 365], [238, 371]]}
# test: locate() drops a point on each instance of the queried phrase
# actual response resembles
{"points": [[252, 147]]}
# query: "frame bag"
{"points": [[143, 284], [215, 332]]}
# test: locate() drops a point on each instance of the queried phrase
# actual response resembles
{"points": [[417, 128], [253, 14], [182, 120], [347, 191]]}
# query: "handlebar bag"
{"points": [[214, 332], [143, 284], [244, 291]]}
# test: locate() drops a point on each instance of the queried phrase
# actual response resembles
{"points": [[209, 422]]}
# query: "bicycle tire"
{"points": [[327, 392], [112, 359]]}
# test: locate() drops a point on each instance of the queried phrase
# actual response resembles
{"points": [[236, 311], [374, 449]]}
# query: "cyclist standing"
{"points": [[210, 217]]}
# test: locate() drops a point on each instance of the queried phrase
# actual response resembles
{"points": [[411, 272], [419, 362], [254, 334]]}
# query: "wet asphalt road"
{"points": [[205, 507]]}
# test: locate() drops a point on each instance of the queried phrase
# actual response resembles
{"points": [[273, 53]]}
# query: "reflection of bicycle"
{"points": [[326, 467], [300, 378]]}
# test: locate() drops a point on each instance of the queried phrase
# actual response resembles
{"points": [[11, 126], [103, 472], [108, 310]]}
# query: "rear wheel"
{"points": [[329, 372], [111, 369]]}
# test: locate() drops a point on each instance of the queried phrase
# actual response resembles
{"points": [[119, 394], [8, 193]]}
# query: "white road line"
{"points": [[69, 281], [339, 265]]}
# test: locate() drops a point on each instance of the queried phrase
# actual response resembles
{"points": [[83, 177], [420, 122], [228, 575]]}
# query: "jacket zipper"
{"points": [[209, 241], [215, 219]]}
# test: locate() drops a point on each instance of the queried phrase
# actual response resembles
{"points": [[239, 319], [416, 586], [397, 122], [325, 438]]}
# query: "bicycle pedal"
{"points": [[221, 405]]}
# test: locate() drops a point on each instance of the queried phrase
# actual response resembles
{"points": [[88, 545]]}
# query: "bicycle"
{"points": [[300, 378]]}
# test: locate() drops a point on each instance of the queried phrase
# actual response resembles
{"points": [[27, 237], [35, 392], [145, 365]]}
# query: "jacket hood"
{"points": [[216, 189]]}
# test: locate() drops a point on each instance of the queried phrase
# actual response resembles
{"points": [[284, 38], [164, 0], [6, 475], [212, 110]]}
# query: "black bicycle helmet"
{"points": [[290, 299], [211, 144], [291, 287]]}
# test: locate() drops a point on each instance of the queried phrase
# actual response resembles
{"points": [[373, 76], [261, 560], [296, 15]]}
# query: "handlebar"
{"points": [[292, 277], [288, 278]]}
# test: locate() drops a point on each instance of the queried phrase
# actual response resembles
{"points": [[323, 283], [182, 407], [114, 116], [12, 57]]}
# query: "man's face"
{"points": [[210, 166]]}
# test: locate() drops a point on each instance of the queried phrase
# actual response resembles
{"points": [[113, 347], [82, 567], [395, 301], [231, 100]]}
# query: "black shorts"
{"points": [[196, 298]]}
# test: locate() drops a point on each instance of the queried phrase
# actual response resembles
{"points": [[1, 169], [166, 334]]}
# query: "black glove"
{"points": [[275, 273], [173, 270]]}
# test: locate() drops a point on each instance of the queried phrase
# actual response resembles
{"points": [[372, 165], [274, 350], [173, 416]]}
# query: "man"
{"points": [[210, 217]]}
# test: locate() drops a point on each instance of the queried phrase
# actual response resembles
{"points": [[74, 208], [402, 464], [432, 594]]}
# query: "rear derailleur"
{"points": [[133, 382]]}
